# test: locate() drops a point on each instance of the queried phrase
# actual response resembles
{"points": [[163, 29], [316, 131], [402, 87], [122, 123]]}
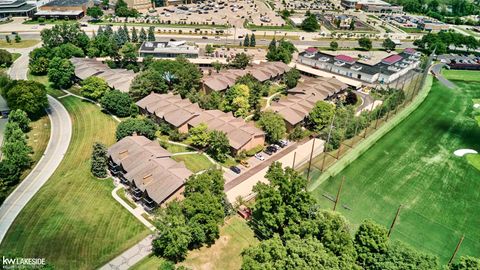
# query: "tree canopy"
{"points": [[99, 161], [280, 51], [118, 103], [310, 24], [29, 96], [145, 127], [273, 125], [94, 87], [61, 73], [321, 115]]}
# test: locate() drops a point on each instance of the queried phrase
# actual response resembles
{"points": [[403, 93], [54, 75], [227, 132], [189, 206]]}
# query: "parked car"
{"points": [[276, 146], [272, 149], [283, 143], [259, 156], [235, 169], [268, 151], [204, 37], [245, 163]]}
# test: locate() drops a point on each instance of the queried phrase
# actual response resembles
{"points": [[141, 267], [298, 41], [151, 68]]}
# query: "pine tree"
{"points": [[134, 35], [246, 42], [7, 38], [108, 30], [99, 160], [100, 30], [151, 33], [125, 30], [143, 35], [17, 38], [253, 42]]}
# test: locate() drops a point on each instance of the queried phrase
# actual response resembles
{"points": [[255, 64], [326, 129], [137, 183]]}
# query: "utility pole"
{"points": [[310, 161], [456, 250], [338, 193], [394, 221], [294, 156]]}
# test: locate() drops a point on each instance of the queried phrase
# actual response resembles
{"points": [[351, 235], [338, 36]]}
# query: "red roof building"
{"points": [[392, 59], [345, 58], [311, 50], [409, 51]]}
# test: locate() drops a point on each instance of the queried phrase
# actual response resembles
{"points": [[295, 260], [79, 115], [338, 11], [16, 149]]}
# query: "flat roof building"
{"points": [[170, 49], [377, 6], [387, 70], [16, 8], [183, 114], [120, 79], [152, 176], [68, 9]]}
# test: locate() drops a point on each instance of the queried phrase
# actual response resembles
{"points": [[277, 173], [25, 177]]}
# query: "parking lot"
{"points": [[253, 162], [219, 13]]}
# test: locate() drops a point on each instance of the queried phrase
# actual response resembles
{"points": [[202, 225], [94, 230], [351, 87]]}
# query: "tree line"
{"points": [[442, 41]]}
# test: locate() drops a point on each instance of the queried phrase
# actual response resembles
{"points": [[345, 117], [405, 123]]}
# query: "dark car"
{"points": [[235, 169], [271, 149], [268, 151]]}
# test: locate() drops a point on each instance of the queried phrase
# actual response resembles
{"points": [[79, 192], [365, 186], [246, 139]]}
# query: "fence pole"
{"points": [[394, 221], [338, 193], [456, 250], [310, 161], [294, 156]]}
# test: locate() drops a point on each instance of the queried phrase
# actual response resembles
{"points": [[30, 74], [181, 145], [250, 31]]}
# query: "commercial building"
{"points": [[295, 107], [119, 79], [375, 6], [264, 71], [16, 8], [139, 4], [169, 49], [432, 26], [387, 70], [64, 9], [152, 176], [349, 4], [183, 115]]}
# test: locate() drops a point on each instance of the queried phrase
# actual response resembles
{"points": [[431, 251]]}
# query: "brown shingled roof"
{"points": [[262, 72], [301, 99], [172, 108], [149, 166]]}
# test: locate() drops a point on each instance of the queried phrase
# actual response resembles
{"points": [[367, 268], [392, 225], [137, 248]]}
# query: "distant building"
{"points": [[342, 21], [170, 49], [119, 79], [16, 8], [432, 26], [387, 70], [349, 4], [295, 107], [377, 6], [265, 71], [139, 4], [64, 9]]}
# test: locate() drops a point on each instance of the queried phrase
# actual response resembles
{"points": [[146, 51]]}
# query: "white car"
{"points": [[259, 156]]}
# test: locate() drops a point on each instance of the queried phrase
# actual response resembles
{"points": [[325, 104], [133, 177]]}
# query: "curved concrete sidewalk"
{"points": [[60, 135], [437, 72]]}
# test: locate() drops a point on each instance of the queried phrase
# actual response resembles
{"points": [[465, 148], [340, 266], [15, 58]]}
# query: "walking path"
{"points": [[137, 212], [437, 72], [132, 256], [60, 134]]}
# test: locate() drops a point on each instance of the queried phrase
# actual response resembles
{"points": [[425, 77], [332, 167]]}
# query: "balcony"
{"points": [[136, 193], [149, 204]]}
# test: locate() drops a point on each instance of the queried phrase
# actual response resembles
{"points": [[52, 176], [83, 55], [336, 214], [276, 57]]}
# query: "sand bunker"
{"points": [[462, 152]]}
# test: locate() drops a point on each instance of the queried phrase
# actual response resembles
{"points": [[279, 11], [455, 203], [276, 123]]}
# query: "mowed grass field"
{"points": [[73, 221], [225, 253], [414, 165]]}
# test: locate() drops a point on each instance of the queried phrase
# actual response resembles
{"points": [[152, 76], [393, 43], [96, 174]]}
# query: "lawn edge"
{"points": [[364, 145]]}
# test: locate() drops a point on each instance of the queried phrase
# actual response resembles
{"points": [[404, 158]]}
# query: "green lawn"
{"points": [[174, 148], [414, 165], [22, 44], [38, 138], [123, 196], [235, 236], [73, 221], [464, 75], [195, 162], [43, 79]]}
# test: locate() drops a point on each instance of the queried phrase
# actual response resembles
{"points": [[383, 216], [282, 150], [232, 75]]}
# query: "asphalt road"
{"points": [[230, 40], [60, 134]]}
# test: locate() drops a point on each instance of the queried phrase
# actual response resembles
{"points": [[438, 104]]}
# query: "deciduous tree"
{"points": [[94, 87], [273, 125]]}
